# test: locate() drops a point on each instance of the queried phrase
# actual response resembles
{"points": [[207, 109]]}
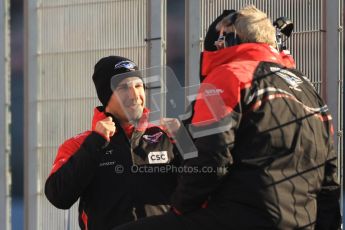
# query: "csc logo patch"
{"points": [[160, 157]]}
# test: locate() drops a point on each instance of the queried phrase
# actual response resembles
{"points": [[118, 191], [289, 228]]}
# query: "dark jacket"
{"points": [[107, 179], [266, 125]]}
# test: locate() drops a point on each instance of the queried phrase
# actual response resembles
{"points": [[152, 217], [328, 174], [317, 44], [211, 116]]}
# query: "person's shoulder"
{"points": [[67, 149], [241, 71], [75, 141]]}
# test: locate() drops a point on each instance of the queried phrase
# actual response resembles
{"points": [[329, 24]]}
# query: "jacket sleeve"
{"points": [[328, 204], [74, 167], [217, 114]]}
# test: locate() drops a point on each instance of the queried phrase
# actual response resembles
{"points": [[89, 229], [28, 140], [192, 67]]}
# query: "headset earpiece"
{"points": [[231, 39]]}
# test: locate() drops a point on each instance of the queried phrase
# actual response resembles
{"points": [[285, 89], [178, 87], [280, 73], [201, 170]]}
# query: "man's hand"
{"points": [[220, 44], [106, 128]]}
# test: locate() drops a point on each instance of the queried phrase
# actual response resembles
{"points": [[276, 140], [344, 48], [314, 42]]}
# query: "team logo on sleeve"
{"points": [[155, 138]]}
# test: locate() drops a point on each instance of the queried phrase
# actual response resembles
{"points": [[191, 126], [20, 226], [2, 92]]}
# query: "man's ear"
{"points": [[212, 34]]}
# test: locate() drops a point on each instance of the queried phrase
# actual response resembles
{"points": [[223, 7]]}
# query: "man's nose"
{"points": [[133, 92]]}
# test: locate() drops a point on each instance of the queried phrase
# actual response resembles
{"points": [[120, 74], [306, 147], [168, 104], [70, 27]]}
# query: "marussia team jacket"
{"points": [[116, 182], [265, 123]]}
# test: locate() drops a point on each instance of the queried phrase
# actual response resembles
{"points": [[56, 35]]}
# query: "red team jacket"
{"points": [[263, 121]]}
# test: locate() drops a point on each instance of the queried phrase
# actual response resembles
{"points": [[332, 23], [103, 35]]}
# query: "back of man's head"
{"points": [[253, 25]]}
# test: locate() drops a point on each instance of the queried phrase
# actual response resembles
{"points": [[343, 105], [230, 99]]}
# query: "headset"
{"points": [[282, 24], [230, 39]]}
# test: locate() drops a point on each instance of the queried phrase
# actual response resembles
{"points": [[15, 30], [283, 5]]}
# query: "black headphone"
{"points": [[231, 39]]}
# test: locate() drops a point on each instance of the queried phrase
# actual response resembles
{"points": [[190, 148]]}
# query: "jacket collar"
{"points": [[245, 51], [99, 114]]}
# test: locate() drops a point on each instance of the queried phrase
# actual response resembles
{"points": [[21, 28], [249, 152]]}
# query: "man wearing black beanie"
{"points": [[112, 168], [105, 69]]}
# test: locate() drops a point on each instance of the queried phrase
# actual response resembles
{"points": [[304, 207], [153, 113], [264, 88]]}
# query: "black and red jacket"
{"points": [[99, 174], [261, 120]]}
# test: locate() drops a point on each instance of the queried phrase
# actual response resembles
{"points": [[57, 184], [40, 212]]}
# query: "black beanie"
{"points": [[105, 69]]}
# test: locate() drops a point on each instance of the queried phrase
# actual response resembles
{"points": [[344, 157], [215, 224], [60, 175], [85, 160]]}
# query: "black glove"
{"points": [[212, 34]]}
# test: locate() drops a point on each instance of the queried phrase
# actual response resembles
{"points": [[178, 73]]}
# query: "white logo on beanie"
{"points": [[125, 64]]}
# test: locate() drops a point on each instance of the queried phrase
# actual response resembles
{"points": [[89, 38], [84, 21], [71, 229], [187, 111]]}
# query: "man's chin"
{"points": [[134, 115]]}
